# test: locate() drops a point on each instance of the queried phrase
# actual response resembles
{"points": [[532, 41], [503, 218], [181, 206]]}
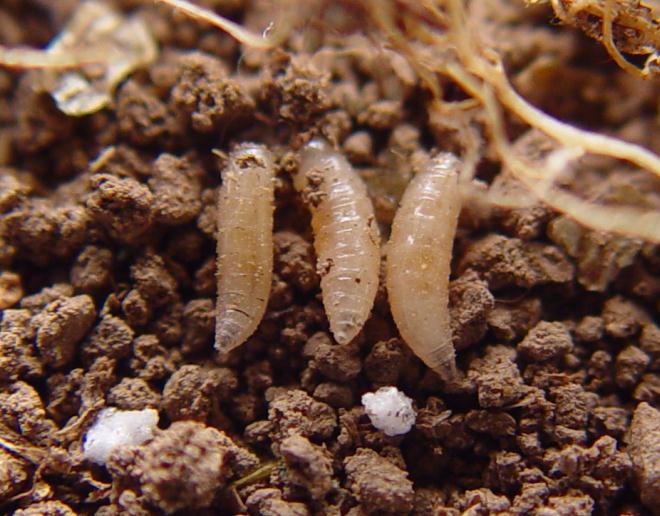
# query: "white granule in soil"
{"points": [[115, 428], [390, 410]]}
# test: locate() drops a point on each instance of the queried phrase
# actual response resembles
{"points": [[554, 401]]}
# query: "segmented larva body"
{"points": [[346, 237], [418, 262], [245, 244]]}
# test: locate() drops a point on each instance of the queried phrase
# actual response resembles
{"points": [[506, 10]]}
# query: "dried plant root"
{"points": [[82, 66], [634, 24], [418, 262], [245, 244], [346, 237], [268, 40]]}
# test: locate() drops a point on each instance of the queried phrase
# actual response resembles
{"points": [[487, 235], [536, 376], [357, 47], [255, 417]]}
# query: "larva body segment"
{"points": [[419, 259], [346, 237], [245, 244]]}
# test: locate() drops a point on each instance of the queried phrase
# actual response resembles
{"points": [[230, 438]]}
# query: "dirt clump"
{"points": [[160, 475], [644, 451], [511, 262], [378, 484]]}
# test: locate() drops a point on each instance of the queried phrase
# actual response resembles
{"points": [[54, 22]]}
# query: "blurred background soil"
{"points": [[107, 286]]}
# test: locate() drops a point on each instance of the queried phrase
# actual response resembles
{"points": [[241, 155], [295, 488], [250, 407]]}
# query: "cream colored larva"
{"points": [[245, 244], [346, 237], [418, 262]]}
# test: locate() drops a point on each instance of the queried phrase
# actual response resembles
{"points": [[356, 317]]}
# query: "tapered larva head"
{"points": [[248, 156], [318, 144], [319, 153], [445, 164]]}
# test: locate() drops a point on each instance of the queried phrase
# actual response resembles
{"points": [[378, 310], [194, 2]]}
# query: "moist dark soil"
{"points": [[107, 290]]}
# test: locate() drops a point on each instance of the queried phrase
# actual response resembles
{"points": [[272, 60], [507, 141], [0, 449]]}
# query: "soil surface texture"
{"points": [[108, 282]]}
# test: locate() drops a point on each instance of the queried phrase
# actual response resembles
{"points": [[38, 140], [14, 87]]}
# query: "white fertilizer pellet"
{"points": [[390, 410], [115, 428]]}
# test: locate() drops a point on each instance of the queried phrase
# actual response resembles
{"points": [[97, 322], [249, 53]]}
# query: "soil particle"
{"points": [[648, 389], [268, 502], [111, 338], [644, 449], [336, 395], [40, 124], [177, 189], [14, 474], [299, 93], [483, 501], [386, 361], [48, 508], [42, 232], [629, 366], [532, 495], [150, 360], [497, 378], [546, 341], [384, 114], [46, 295], [295, 412], [599, 470], [61, 326], [64, 390], [22, 410], [510, 321], [144, 119], [307, 465], [133, 394], [198, 325], [359, 147], [622, 317], [335, 126], [377, 484], [168, 325], [506, 262], [194, 392], [294, 261], [495, 423], [122, 205], [153, 281], [136, 309], [567, 505], [208, 215], [572, 408], [429, 501], [181, 468], [13, 190], [210, 98], [525, 223], [97, 382], [92, 270], [599, 256], [11, 290], [609, 421], [470, 303], [649, 341], [337, 362], [17, 357], [590, 329]]}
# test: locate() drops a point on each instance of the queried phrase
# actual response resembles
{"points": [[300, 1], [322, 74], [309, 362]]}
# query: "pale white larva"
{"points": [[346, 237], [418, 262], [245, 244]]}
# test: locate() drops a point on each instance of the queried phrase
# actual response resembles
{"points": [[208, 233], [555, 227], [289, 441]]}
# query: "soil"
{"points": [[107, 290]]}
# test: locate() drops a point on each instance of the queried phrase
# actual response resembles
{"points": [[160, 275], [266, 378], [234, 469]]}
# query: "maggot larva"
{"points": [[346, 237], [245, 244], [418, 262]]}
